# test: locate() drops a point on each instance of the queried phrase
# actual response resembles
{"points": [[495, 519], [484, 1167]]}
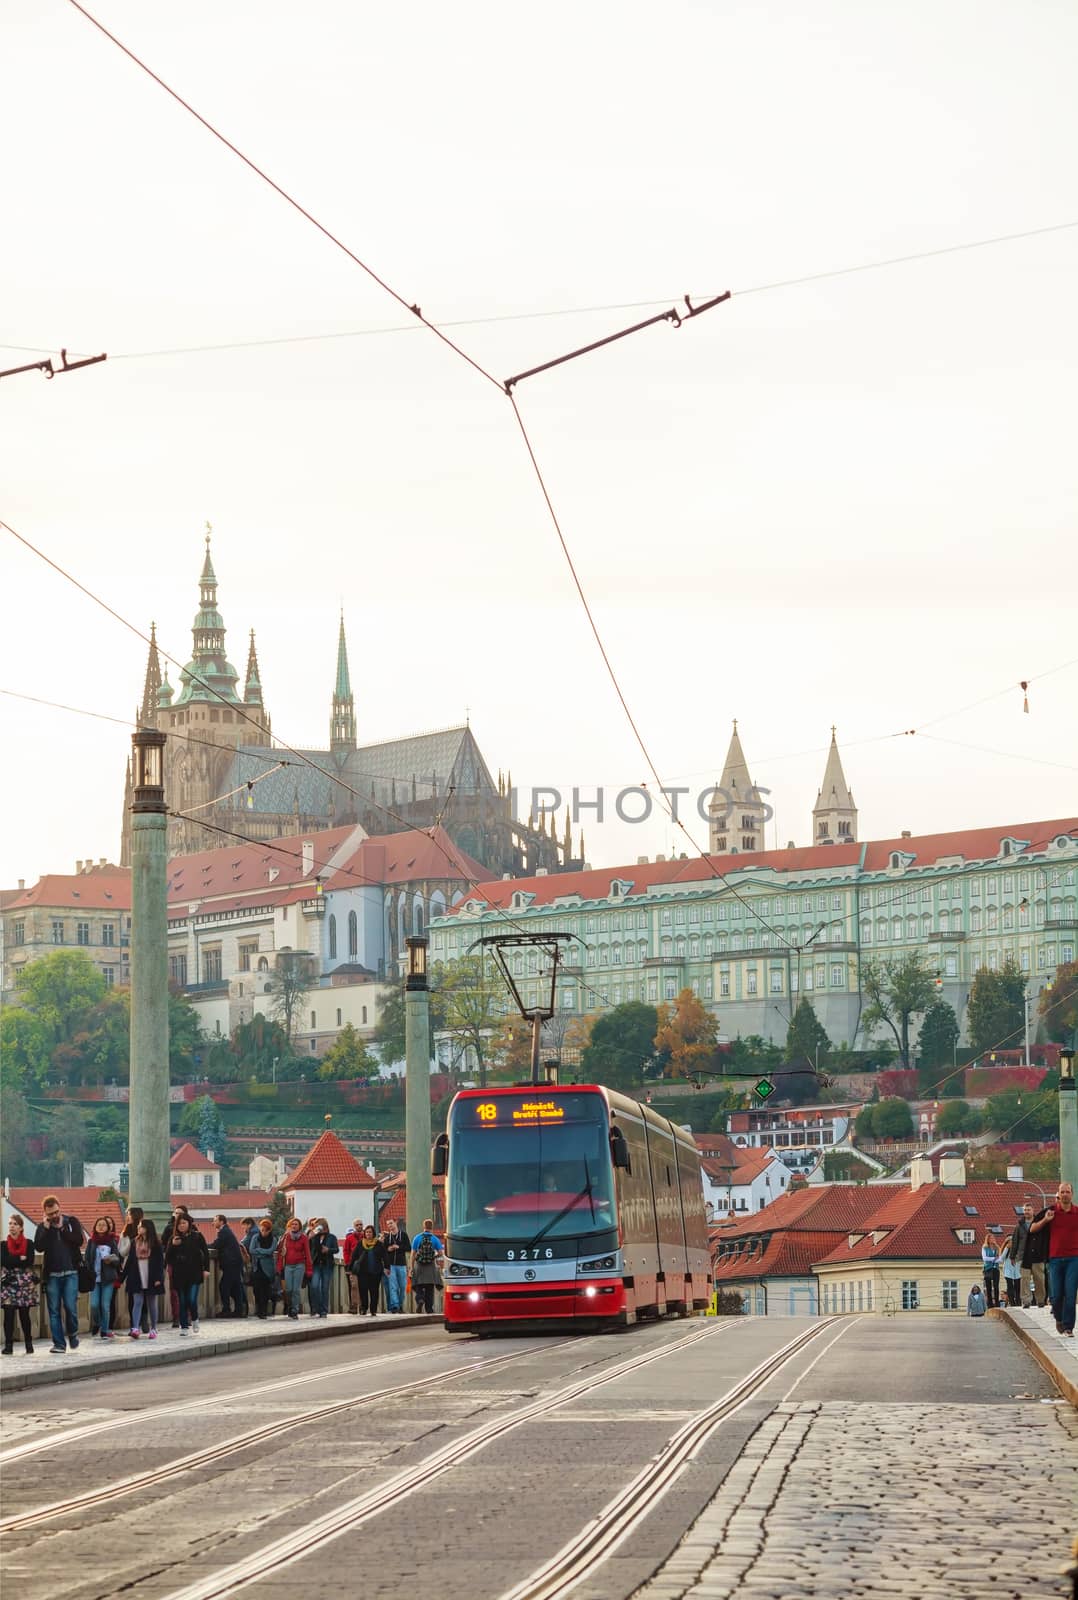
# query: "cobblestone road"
{"points": [[834, 1499]]}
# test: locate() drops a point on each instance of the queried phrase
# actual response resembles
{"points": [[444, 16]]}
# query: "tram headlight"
{"points": [[473, 1294], [590, 1292], [457, 1269], [601, 1264]]}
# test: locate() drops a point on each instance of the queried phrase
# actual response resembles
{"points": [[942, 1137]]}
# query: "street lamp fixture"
{"points": [[417, 961], [148, 749], [545, 944], [1066, 1065]]}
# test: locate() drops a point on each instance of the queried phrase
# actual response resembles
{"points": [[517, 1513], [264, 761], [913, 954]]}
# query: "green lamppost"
{"points": [[417, 1130], [148, 1126], [1068, 1118]]}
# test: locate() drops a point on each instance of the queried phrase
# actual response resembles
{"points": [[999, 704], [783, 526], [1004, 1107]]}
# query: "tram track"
{"points": [[344, 1518], [215, 1453], [90, 1430], [583, 1555]]}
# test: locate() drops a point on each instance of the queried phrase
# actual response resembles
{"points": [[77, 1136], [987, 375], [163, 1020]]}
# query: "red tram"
{"points": [[568, 1204]]}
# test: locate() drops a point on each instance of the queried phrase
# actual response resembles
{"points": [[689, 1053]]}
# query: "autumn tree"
{"points": [[1059, 1005], [471, 1006], [897, 990], [687, 1034], [996, 1011]]}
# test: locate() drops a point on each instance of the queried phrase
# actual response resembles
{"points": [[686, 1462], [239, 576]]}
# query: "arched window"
{"points": [[353, 934], [263, 964], [333, 938]]}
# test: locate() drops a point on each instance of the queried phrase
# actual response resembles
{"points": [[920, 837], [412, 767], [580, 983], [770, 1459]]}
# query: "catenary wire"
{"points": [[560, 311]]}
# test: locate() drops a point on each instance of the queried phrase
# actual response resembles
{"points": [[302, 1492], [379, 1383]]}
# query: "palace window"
{"points": [[18, 933], [57, 931], [211, 965], [750, 981], [909, 1294], [82, 933], [109, 975], [108, 933], [949, 1294], [776, 980], [177, 970]]}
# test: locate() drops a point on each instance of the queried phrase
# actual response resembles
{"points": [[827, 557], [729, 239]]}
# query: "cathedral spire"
{"points": [[834, 816], [342, 726], [152, 686], [209, 675], [252, 692]]}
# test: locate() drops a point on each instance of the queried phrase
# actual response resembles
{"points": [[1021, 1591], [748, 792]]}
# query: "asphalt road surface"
{"points": [[883, 1457]]}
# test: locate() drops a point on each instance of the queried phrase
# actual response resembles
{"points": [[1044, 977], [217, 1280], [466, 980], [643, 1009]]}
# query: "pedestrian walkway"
{"points": [[1057, 1354], [97, 1357], [851, 1500]]}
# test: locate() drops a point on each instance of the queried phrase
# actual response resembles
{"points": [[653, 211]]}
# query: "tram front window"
{"points": [[514, 1176]]}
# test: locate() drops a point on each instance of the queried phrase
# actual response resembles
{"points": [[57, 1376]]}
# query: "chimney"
{"points": [[307, 849], [641, 861], [952, 1172], [920, 1172], [1015, 1174], [906, 834], [22, 883], [540, 872], [78, 868]]}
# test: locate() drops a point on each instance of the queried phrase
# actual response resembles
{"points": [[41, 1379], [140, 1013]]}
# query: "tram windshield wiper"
{"points": [[585, 1194]]}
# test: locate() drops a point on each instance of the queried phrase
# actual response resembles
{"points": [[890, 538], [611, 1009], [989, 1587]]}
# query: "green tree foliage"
{"points": [[896, 991], [996, 1012], [887, 1119], [211, 1134], [1030, 1116], [840, 1166], [25, 1053], [622, 1042], [389, 1034], [806, 1035], [955, 1116], [936, 1042], [348, 1057], [106, 1133], [67, 1140], [293, 975], [185, 1037], [280, 1211], [14, 1127], [59, 989], [100, 1049]]}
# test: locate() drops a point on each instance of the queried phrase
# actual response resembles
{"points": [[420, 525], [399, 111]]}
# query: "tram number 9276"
{"points": [[530, 1255]]}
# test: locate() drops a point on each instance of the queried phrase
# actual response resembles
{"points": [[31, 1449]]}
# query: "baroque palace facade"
{"points": [[222, 769], [751, 932]]}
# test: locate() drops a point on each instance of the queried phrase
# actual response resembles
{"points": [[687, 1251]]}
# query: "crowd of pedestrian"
{"points": [[1039, 1262], [278, 1268]]}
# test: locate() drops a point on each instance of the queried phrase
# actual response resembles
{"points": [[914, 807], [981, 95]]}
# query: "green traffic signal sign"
{"points": [[765, 1088]]}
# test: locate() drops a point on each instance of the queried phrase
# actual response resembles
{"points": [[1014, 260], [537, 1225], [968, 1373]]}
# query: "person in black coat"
{"points": [[189, 1264], [144, 1278], [229, 1271]]}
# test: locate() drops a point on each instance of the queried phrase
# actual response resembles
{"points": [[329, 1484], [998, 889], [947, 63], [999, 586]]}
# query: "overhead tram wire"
{"points": [[561, 311]]}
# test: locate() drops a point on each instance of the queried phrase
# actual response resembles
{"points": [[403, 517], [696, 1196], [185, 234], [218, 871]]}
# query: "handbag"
{"points": [[87, 1278]]}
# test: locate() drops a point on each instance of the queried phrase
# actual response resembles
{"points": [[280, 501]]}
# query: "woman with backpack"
{"points": [[144, 1278], [369, 1263], [103, 1260], [427, 1250]]}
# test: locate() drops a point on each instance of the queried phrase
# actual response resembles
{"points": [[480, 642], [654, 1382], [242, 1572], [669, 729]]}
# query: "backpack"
{"points": [[425, 1253]]}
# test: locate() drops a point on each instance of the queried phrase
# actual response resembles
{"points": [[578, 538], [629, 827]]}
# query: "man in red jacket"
{"points": [[294, 1264], [351, 1239]]}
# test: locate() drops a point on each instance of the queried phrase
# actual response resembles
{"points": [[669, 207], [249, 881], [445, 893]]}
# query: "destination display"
{"points": [[504, 1111]]}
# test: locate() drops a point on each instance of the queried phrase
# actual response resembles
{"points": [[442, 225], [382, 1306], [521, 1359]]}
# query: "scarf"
{"points": [[18, 1246]]}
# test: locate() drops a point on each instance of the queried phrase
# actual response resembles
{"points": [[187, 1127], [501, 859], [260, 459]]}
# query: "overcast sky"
{"points": [[847, 501]]}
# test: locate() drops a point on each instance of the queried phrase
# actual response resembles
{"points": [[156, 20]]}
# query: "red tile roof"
{"points": [[189, 1159], [100, 889], [972, 844], [328, 1165], [396, 1208], [752, 1162], [717, 1146], [795, 1231], [920, 1224], [84, 1202]]}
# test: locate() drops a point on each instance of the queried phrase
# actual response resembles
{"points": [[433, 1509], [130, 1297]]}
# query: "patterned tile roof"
{"points": [[84, 1202], [328, 1165], [101, 889], [921, 1224]]}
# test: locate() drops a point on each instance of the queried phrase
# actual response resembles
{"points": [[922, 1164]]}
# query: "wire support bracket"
{"points": [[673, 316], [49, 370]]}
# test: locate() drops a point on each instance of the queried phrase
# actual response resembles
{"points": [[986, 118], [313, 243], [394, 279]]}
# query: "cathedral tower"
{"points": [[342, 725], [834, 816], [737, 814]]}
